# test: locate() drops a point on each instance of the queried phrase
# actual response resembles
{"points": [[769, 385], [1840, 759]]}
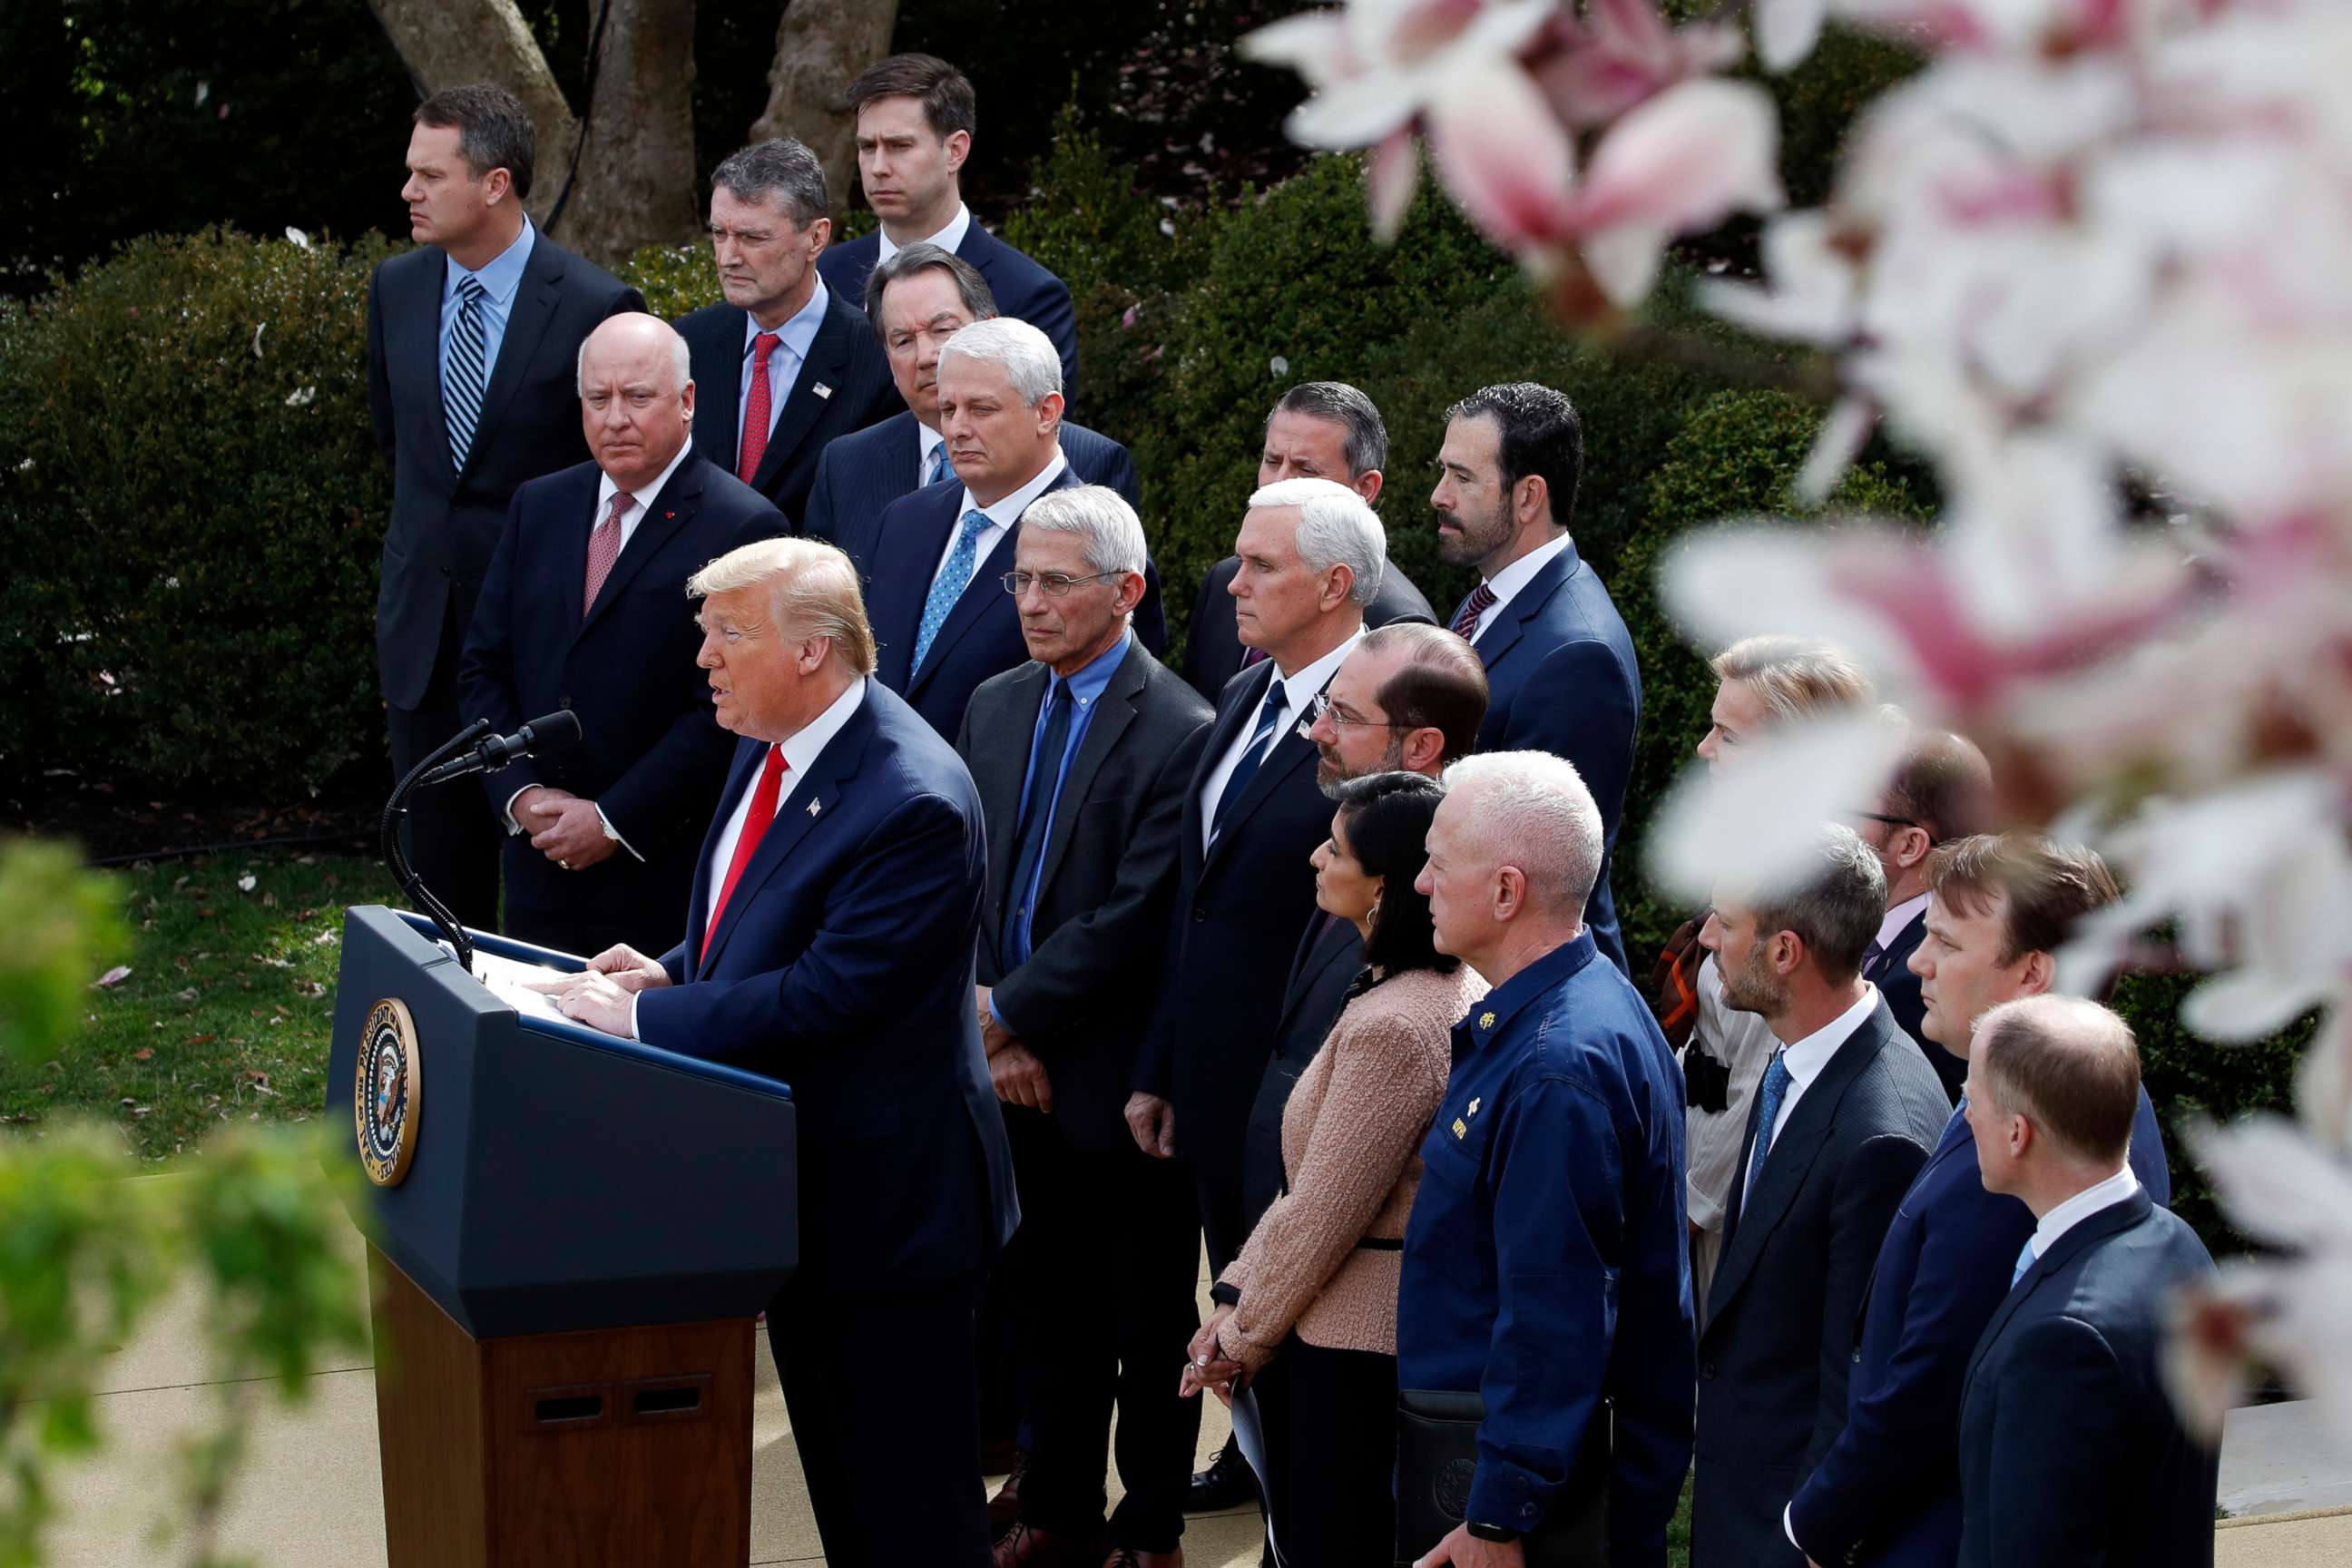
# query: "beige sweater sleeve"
{"points": [[1383, 1090]]}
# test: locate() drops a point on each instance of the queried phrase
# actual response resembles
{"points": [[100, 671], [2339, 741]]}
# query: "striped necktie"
{"points": [[465, 371], [1465, 619]]}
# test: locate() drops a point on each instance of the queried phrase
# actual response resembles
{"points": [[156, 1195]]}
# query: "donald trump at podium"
{"points": [[829, 943]]}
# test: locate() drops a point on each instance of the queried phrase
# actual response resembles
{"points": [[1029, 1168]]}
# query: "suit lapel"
{"points": [[802, 808], [672, 509], [1250, 690], [2109, 1221], [1010, 720], [719, 391], [1114, 715], [1326, 944], [905, 558], [826, 356], [1503, 633], [1290, 752], [1895, 958], [1957, 1137], [422, 314], [982, 594], [748, 755], [1756, 1214], [535, 299]]}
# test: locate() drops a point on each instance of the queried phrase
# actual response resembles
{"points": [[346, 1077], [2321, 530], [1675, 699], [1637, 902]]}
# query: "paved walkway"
{"points": [[309, 1493]]}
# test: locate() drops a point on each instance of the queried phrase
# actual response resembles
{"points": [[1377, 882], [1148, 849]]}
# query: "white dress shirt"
{"points": [[1897, 917], [801, 749], [946, 239], [798, 335], [645, 497], [2080, 1207], [1002, 513], [1506, 584], [1805, 1059], [1297, 691]]}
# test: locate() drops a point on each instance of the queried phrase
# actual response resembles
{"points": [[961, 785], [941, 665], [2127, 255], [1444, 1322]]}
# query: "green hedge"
{"points": [[191, 513]]}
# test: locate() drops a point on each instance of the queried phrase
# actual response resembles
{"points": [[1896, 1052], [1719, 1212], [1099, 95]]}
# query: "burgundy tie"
{"points": [[755, 408], [604, 549], [1466, 622]]}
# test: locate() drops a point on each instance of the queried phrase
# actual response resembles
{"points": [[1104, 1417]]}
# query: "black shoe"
{"points": [[1228, 1482]]}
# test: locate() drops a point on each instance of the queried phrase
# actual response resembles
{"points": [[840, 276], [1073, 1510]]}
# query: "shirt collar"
{"points": [[1522, 571], [2081, 1207], [498, 277], [1093, 679], [948, 239], [1300, 685], [606, 490], [1805, 1058], [1006, 509], [925, 439], [1897, 917], [1504, 1002], [798, 331], [803, 746]]}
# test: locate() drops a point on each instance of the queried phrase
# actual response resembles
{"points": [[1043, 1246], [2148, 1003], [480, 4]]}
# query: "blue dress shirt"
{"points": [[499, 279], [1087, 687], [798, 335]]}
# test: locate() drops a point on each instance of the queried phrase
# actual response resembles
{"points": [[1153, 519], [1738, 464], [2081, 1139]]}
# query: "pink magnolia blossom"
{"points": [[1680, 164], [1624, 52]]}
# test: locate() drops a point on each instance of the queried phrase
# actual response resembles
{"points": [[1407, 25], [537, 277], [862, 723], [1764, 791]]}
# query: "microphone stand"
{"points": [[396, 861]]}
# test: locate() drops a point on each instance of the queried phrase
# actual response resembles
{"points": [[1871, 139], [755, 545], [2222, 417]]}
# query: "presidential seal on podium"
{"points": [[386, 1093]]}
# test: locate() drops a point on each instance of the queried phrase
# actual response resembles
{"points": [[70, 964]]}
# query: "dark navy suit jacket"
{"points": [[1892, 974], [445, 523], [1212, 644], [649, 752], [843, 966], [2070, 1450], [846, 360], [1098, 933], [860, 474], [1775, 1357], [1562, 678], [1024, 290], [1888, 1493], [981, 636]]}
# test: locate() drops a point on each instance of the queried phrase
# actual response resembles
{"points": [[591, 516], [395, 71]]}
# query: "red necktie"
{"points": [[764, 795], [755, 408], [604, 549]]}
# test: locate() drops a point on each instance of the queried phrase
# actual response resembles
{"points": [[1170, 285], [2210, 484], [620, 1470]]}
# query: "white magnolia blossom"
{"points": [[2095, 248]]}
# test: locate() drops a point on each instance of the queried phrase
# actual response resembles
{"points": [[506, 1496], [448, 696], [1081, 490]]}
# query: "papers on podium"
{"points": [[506, 979]]}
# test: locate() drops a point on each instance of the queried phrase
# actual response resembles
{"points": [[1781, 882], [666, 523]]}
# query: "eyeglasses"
{"points": [[1056, 583], [1882, 817], [1321, 704]]}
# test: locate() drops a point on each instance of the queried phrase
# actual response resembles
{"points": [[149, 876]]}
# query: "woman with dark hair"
{"points": [[1317, 1281]]}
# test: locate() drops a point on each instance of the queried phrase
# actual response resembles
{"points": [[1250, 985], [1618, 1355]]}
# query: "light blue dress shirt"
{"points": [[499, 279], [798, 335]]}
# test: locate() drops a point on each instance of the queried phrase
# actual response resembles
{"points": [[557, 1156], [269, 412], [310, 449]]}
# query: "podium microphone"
{"points": [[560, 728]]}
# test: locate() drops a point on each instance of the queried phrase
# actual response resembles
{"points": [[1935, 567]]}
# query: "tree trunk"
{"points": [[447, 45], [821, 45]]}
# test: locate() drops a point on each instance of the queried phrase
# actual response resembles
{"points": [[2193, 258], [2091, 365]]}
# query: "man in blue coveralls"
{"points": [[1545, 1266]]}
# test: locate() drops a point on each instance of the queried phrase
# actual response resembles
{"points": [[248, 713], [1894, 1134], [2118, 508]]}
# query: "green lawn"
{"points": [[225, 1012]]}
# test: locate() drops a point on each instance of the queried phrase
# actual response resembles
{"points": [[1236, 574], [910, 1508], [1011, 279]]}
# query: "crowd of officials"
{"points": [[1076, 963]]}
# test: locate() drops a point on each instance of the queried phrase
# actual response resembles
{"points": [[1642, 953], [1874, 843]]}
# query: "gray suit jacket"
{"points": [[1777, 1344]]}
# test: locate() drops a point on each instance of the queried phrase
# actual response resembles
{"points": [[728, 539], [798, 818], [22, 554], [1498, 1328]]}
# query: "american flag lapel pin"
{"points": [[822, 390], [813, 808]]}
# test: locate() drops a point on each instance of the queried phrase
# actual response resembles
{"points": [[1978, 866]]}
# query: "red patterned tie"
{"points": [[604, 549], [764, 795], [1466, 622], [755, 409]]}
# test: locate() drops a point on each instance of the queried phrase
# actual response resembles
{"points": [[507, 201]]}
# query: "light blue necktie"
{"points": [[935, 466], [465, 371], [1269, 714], [2024, 1262], [1775, 1088], [953, 579]]}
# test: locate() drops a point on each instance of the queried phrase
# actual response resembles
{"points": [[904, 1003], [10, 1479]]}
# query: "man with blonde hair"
{"points": [[829, 943]]}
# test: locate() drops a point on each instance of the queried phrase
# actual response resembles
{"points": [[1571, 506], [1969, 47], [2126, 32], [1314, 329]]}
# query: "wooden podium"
{"points": [[566, 1260]]}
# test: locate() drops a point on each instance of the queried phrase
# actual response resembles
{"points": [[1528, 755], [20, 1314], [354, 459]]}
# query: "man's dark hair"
{"points": [[910, 260], [1442, 686], [1368, 436], [2046, 887], [2071, 1066], [1542, 438], [1834, 907], [1943, 785], [779, 167], [1386, 818], [945, 91], [493, 130]]}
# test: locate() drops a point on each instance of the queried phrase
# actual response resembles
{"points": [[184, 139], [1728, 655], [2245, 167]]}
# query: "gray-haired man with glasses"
{"points": [[1083, 757]]}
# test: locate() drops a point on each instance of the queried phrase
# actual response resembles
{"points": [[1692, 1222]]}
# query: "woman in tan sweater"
{"points": [[1317, 1281]]}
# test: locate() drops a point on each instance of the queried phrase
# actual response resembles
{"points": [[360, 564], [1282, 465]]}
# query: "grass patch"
{"points": [[226, 1011]]}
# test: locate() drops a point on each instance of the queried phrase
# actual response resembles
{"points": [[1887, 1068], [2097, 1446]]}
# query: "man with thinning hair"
{"points": [[916, 118], [917, 301], [940, 611], [471, 338], [1561, 674], [584, 607], [2071, 1450], [1081, 757], [829, 943], [1316, 430], [1544, 1270], [1842, 1120], [784, 363]]}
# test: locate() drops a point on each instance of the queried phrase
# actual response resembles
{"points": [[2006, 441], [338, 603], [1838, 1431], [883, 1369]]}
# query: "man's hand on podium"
{"points": [[602, 995]]}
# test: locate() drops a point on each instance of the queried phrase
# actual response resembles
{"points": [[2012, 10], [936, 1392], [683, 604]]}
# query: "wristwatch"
{"points": [[1498, 1532]]}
